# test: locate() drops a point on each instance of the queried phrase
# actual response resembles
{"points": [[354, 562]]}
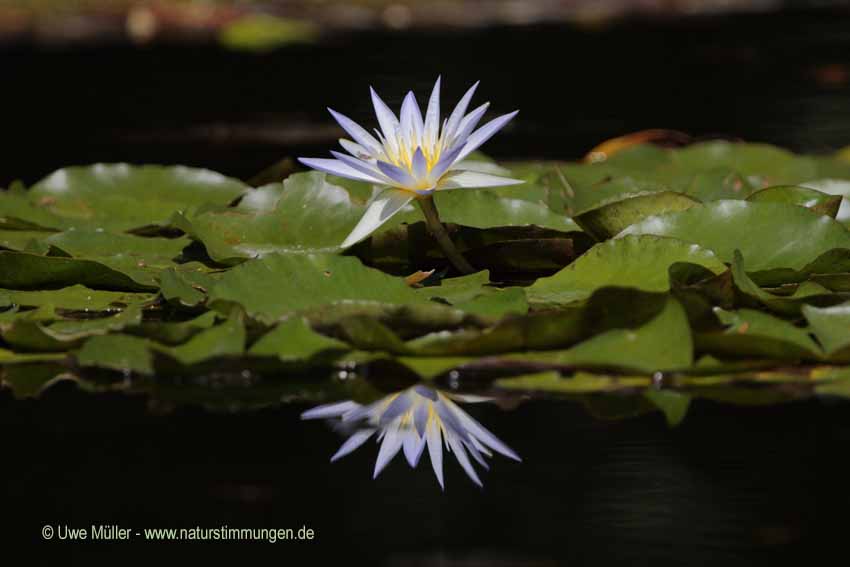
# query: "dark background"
{"points": [[732, 486], [782, 78]]}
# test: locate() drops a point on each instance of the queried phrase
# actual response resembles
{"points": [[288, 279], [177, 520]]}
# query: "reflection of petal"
{"points": [[352, 443], [389, 448], [480, 432], [412, 420], [460, 455], [435, 450], [329, 410]]}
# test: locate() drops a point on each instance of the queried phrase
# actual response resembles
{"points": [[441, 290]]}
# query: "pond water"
{"points": [[734, 484]]}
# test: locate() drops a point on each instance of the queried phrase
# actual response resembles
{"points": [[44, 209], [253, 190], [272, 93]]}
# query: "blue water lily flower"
{"points": [[411, 420], [412, 156]]}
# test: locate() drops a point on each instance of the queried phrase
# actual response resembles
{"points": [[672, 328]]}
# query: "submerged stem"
{"points": [[438, 231]]}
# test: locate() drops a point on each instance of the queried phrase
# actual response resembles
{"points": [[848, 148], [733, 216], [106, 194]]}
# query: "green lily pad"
{"points": [[124, 353], [818, 202], [31, 271], [32, 331], [641, 262], [294, 340], [275, 285], [831, 326], [120, 197], [753, 333], [770, 235], [609, 218], [78, 298], [663, 343]]}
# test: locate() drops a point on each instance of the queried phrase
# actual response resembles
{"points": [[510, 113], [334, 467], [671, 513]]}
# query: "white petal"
{"points": [[468, 124], [485, 133], [400, 177], [457, 114], [330, 410], [364, 167], [481, 433], [357, 439], [479, 166], [387, 120], [472, 180], [432, 118], [419, 165], [411, 120], [396, 408], [389, 449], [356, 149], [412, 447], [445, 163], [360, 135], [460, 455], [385, 205], [336, 167], [435, 450]]}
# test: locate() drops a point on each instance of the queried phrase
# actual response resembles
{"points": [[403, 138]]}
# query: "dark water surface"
{"points": [[731, 486], [740, 486]]}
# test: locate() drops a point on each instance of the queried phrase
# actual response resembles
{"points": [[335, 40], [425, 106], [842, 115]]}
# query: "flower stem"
{"points": [[438, 231]]}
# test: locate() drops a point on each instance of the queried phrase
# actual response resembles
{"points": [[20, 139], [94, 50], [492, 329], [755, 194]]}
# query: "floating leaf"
{"points": [[275, 285], [641, 262], [121, 197], [753, 333], [770, 235], [609, 218], [294, 340], [818, 202]]}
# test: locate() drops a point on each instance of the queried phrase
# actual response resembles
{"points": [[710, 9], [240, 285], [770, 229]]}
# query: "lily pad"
{"points": [[641, 262], [121, 197], [818, 202], [609, 218], [770, 235], [275, 285], [753, 333]]}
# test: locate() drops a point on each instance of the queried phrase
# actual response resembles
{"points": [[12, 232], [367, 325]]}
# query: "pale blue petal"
{"points": [[468, 124], [426, 392], [432, 117], [336, 167], [435, 450], [356, 150], [379, 211], [411, 120], [396, 408], [411, 447], [389, 449], [364, 167], [480, 432], [358, 438], [360, 135], [458, 113], [474, 141], [420, 418], [419, 164], [330, 410], [399, 176], [460, 455], [445, 162], [473, 180], [476, 454], [386, 119]]}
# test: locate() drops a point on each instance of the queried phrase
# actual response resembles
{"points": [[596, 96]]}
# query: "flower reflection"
{"points": [[410, 421]]}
